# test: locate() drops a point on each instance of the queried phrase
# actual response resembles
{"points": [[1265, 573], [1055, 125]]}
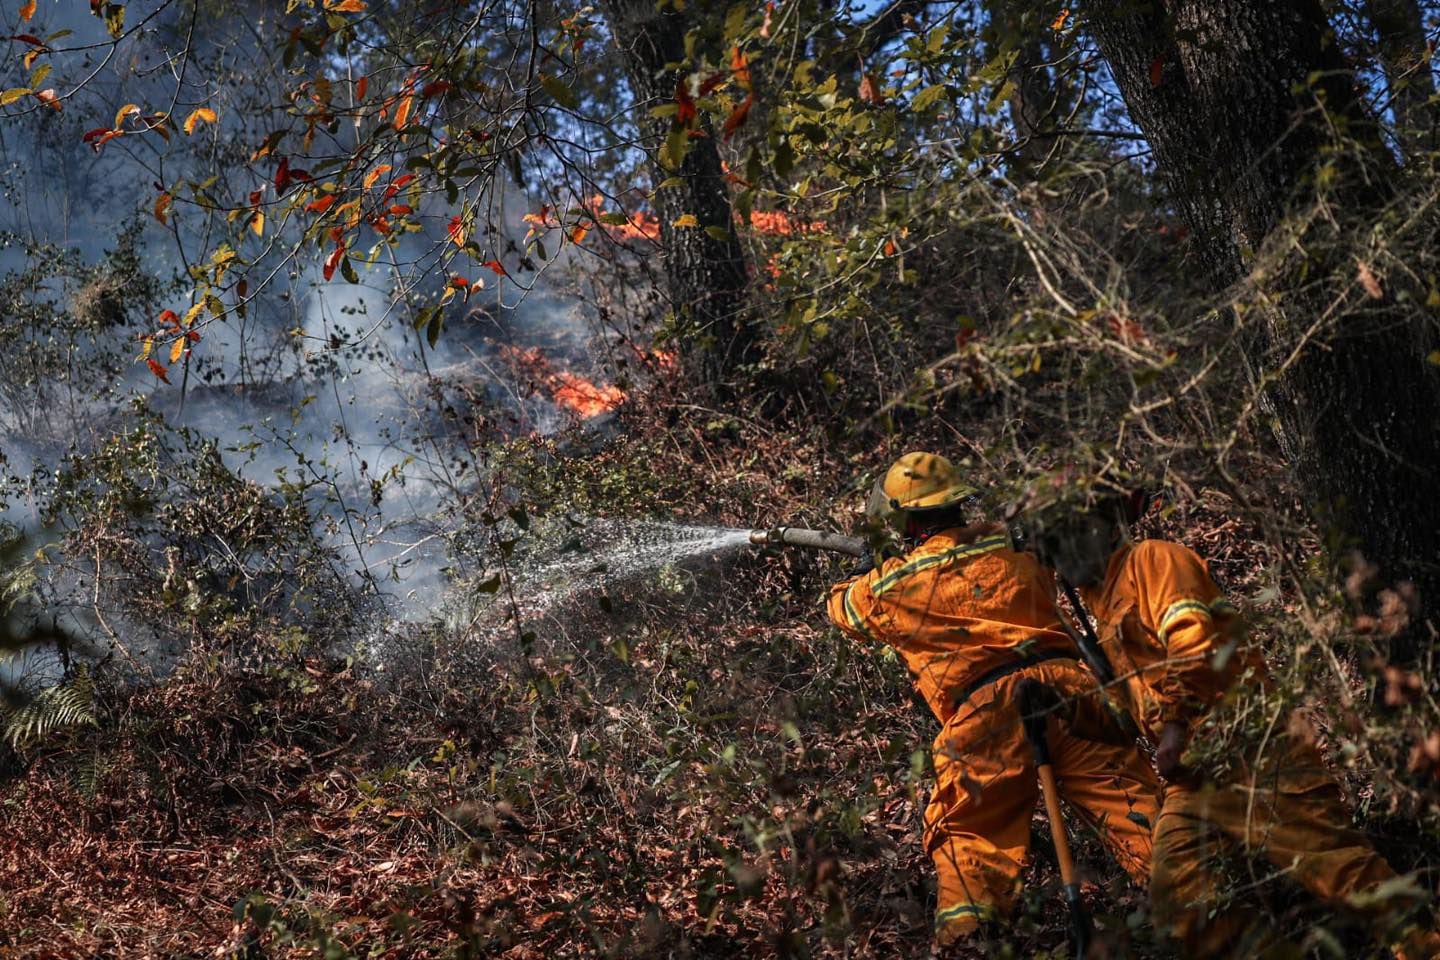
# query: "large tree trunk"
{"points": [[705, 273], [1211, 83], [1405, 56]]}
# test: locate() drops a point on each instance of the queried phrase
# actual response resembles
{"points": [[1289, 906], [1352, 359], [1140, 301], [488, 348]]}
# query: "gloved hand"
{"points": [[863, 564], [1169, 751], [1041, 699]]}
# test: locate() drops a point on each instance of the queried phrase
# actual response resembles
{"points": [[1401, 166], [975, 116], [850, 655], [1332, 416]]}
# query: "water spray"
{"points": [[810, 539]]}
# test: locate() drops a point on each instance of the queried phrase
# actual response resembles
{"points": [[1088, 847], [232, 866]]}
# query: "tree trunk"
{"points": [[1210, 82], [705, 273], [1405, 56]]}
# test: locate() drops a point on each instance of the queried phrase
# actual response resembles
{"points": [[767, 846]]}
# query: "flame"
{"points": [[570, 390]]}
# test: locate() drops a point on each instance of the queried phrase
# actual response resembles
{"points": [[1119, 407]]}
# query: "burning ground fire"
{"points": [[575, 393]]}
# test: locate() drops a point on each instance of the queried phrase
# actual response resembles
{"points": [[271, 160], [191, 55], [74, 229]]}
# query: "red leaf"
{"points": [[322, 204], [434, 87], [1157, 70], [360, 87], [685, 115], [29, 38], [456, 230], [732, 122], [158, 368], [333, 261], [168, 317], [497, 266], [711, 82], [282, 175]]}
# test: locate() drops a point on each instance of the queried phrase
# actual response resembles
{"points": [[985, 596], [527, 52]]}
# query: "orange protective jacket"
{"points": [[950, 629], [972, 619], [1168, 632]]}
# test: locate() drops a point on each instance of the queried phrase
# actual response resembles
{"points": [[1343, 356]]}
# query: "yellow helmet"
{"points": [[915, 483]]}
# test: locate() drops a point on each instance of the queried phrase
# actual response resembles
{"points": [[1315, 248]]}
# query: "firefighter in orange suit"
{"points": [[972, 618], [1173, 638]]}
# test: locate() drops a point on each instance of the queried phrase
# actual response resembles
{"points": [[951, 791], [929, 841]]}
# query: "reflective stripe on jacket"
{"points": [[960, 604], [1169, 631]]}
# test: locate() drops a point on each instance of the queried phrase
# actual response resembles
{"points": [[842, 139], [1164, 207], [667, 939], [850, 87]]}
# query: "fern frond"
{"points": [[65, 705]]}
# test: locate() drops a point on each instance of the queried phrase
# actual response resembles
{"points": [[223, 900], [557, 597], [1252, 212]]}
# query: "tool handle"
{"points": [[812, 539], [1051, 792]]}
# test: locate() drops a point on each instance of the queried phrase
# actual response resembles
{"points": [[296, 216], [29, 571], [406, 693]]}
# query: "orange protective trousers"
{"points": [[1289, 814], [977, 825]]}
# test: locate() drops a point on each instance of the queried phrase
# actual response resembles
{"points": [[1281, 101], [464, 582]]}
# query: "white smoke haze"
{"points": [[323, 385]]}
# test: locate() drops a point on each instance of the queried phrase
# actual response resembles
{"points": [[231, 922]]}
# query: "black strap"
{"points": [[1000, 672]]}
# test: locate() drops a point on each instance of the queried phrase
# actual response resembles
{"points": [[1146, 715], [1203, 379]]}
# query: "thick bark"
{"points": [[1405, 57], [705, 274], [1211, 83]]}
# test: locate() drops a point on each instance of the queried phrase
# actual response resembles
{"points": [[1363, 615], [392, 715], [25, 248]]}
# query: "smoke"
{"points": [[321, 385]]}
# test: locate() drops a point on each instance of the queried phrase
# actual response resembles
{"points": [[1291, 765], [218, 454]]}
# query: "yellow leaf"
{"points": [[257, 223], [146, 345], [376, 174], [13, 94], [123, 112], [196, 116], [27, 10], [687, 220], [1434, 357], [177, 348], [190, 315]]}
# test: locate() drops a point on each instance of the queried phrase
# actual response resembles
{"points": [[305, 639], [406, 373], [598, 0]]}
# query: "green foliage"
{"points": [[55, 709]]}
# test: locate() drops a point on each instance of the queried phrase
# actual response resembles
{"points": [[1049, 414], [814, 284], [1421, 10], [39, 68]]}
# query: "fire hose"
{"points": [[812, 539]]}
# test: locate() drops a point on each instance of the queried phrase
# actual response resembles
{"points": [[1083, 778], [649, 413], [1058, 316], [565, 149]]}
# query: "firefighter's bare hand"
{"points": [[1169, 750]]}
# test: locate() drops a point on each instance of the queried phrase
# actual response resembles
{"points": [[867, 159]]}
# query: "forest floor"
{"points": [[703, 771]]}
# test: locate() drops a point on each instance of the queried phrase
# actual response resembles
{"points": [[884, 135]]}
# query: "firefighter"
{"points": [[1174, 639], [972, 618]]}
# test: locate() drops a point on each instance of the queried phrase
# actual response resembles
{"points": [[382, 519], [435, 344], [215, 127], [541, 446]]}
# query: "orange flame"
{"points": [[570, 390]]}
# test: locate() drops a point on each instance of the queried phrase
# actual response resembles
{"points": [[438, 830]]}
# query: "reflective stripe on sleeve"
{"points": [[857, 622], [1179, 609], [952, 555]]}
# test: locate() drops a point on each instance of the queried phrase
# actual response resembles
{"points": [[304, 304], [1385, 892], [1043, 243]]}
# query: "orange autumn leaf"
{"points": [[740, 67], [870, 90], [376, 174], [49, 98], [257, 223], [456, 230], [1059, 23], [402, 112], [345, 6], [578, 234], [158, 368], [361, 86], [27, 10], [176, 349], [322, 204], [197, 116], [162, 208]]}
